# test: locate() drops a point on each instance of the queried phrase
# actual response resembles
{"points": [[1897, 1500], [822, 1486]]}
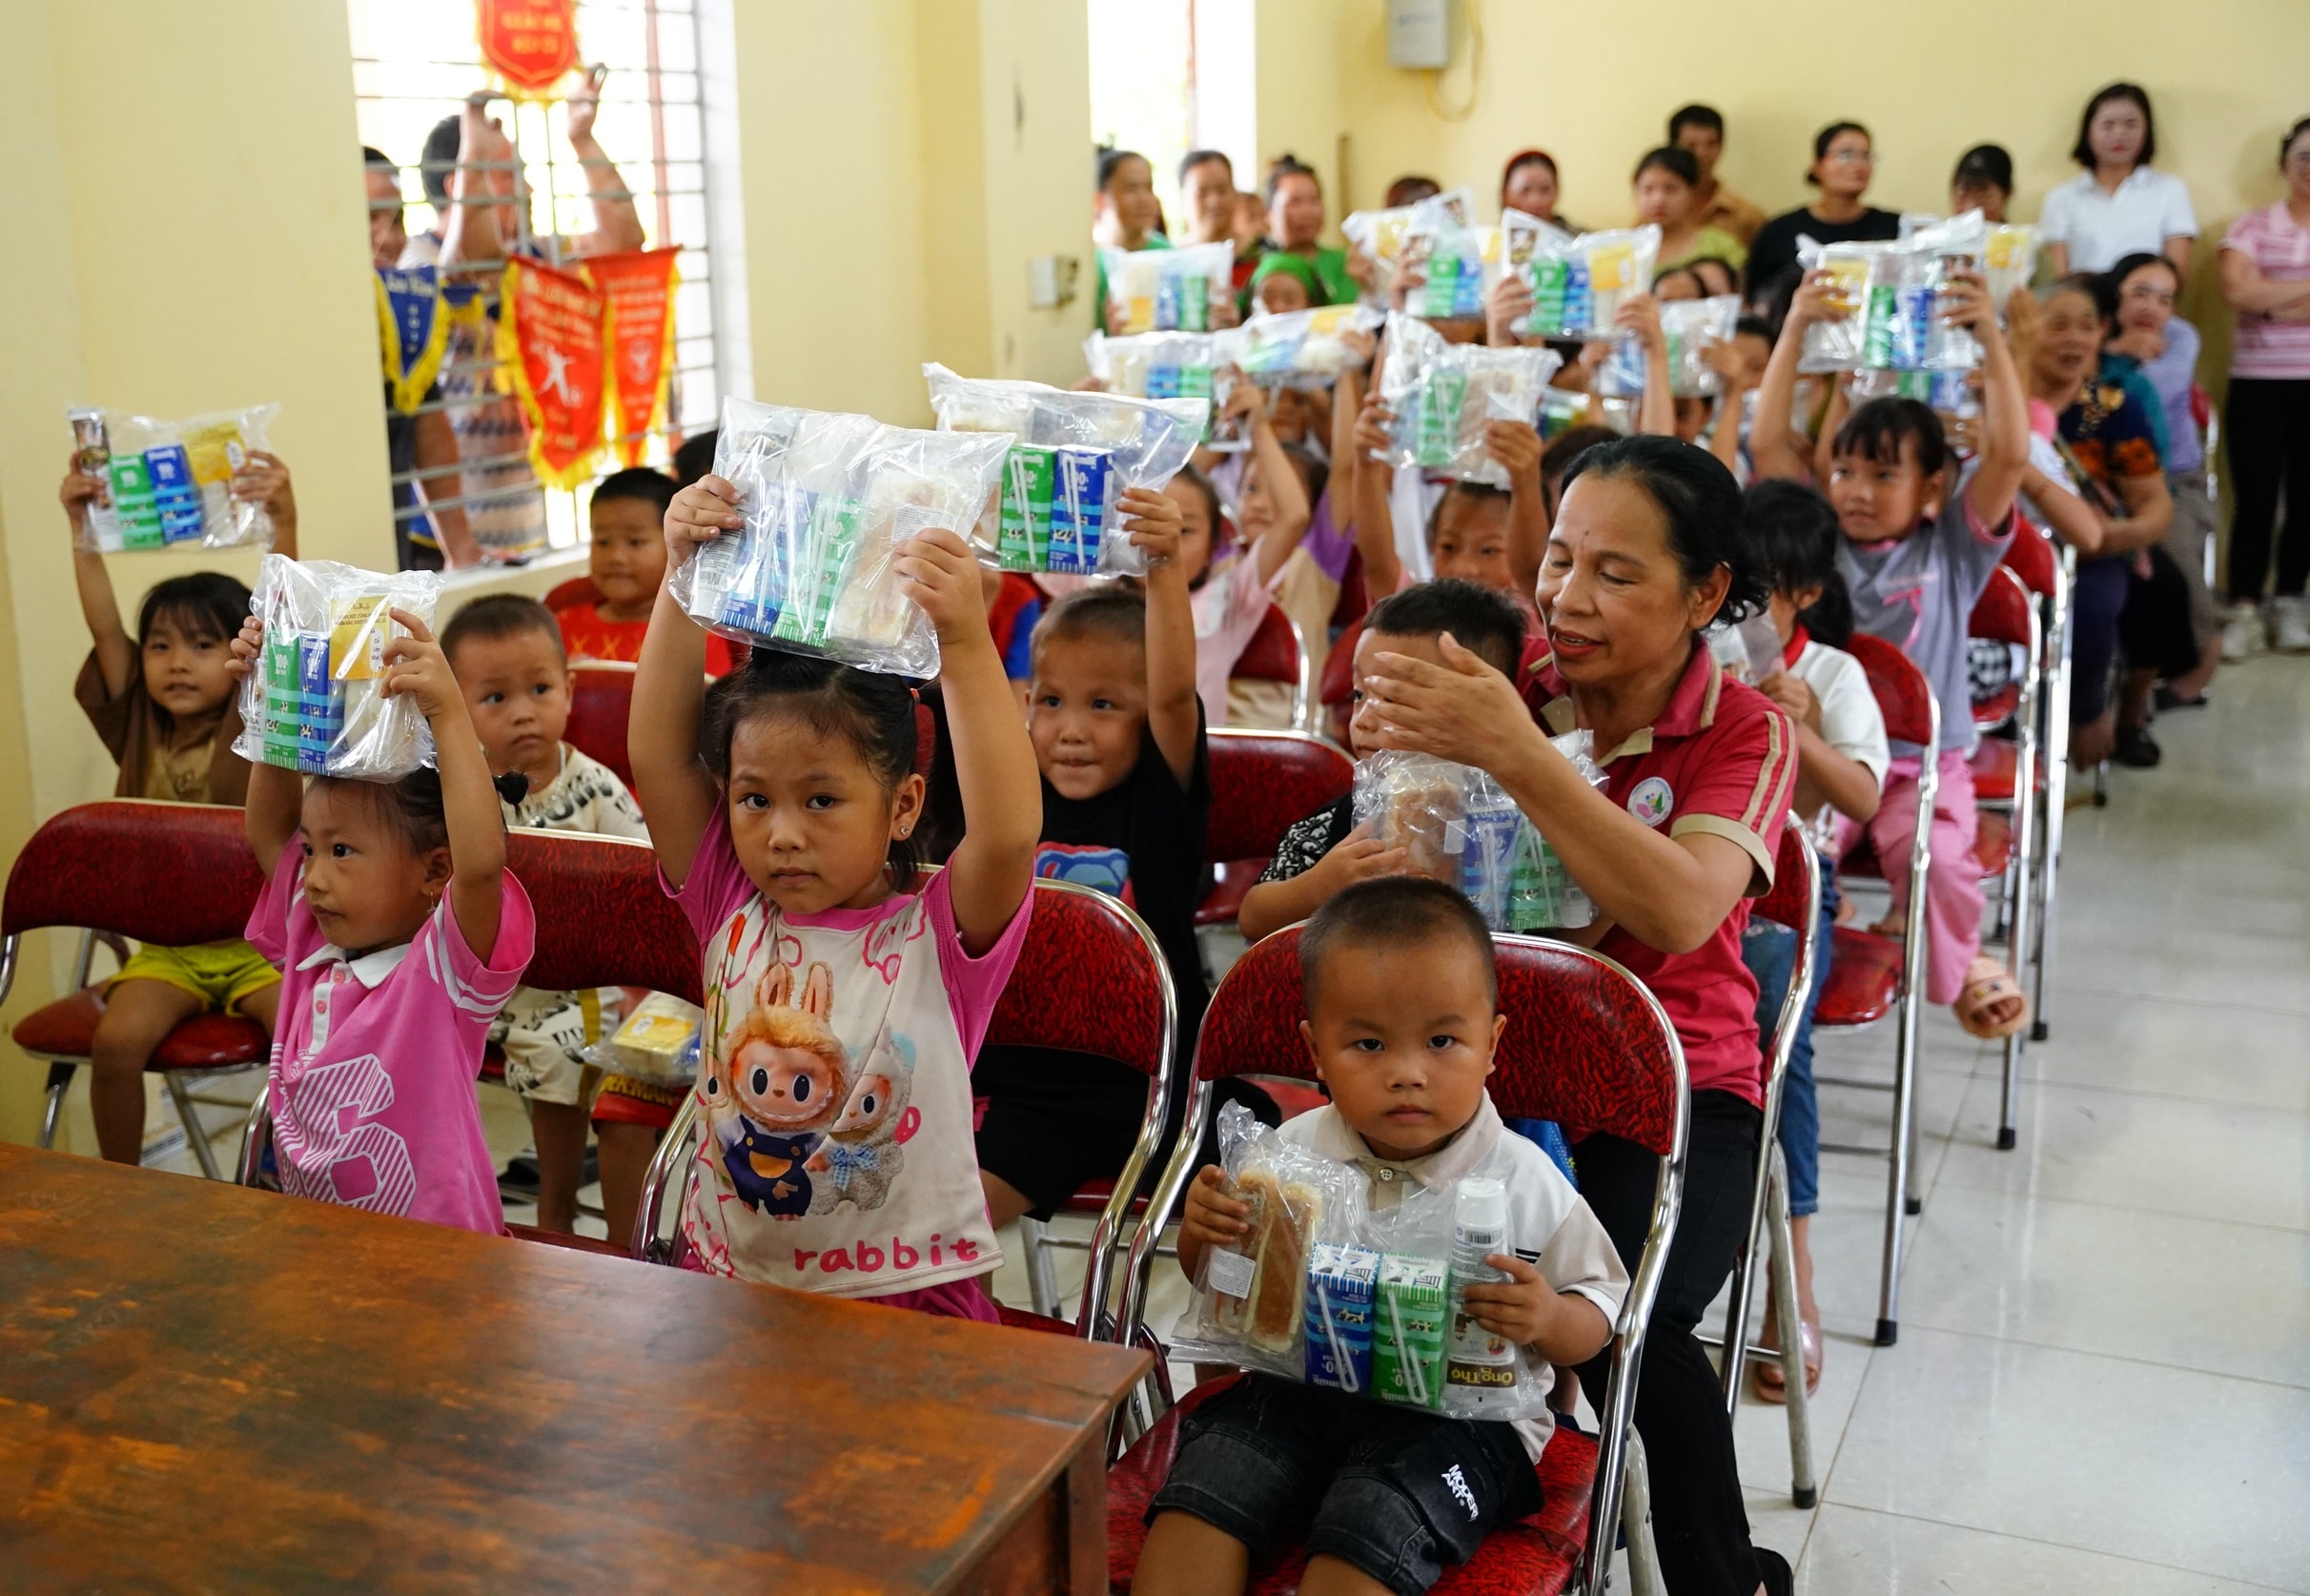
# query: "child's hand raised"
{"points": [[265, 481], [1640, 314], [1247, 400], [945, 579], [245, 646], [77, 494], [1152, 518], [415, 666], [1818, 299], [1516, 446], [1966, 303], [1376, 428], [1509, 302], [1213, 1219], [700, 513]]}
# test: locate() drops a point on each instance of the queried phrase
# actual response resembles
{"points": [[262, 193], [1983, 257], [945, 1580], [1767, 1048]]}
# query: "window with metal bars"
{"points": [[462, 457]]}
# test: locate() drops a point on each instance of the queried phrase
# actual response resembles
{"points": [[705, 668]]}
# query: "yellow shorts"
{"points": [[222, 974]]}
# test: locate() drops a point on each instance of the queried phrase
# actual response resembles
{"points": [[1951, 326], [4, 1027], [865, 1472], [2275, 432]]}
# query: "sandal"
{"points": [[1766, 1381], [1989, 986]]}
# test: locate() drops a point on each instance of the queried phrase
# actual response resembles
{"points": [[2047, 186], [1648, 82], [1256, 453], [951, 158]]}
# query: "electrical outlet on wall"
{"points": [[1050, 281]]}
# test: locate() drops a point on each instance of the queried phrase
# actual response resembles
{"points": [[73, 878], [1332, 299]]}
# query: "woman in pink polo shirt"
{"points": [[1645, 551]]}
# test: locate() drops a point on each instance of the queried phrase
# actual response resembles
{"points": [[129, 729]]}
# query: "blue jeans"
{"points": [[1770, 952]]}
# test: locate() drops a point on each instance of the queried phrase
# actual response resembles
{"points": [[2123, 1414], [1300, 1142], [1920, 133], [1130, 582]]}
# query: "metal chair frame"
{"points": [[1613, 1490], [1901, 1154], [2054, 799], [1768, 1207], [2016, 882]]}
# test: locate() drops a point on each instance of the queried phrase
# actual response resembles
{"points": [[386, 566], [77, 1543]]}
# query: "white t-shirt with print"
{"points": [[586, 796], [2101, 229]]}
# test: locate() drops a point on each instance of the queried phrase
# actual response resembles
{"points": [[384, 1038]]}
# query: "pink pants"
{"points": [[1952, 879]]}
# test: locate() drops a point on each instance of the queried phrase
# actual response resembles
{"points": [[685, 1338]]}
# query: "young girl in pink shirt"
{"points": [[846, 996], [400, 934]]}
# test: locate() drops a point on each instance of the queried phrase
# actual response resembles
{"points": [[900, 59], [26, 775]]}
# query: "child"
{"points": [[1327, 851], [165, 704], [1403, 1017], [506, 652], [1474, 532], [401, 933], [1231, 591], [627, 560], [845, 997], [1922, 539], [1841, 763], [1126, 786]]}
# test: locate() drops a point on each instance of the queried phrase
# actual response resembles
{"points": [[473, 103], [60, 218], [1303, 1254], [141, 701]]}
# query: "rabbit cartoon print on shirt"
{"points": [[777, 1084], [862, 1153]]}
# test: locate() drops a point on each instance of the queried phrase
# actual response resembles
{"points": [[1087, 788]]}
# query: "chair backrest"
{"points": [[1900, 688], [1091, 978], [577, 590], [1786, 904], [2029, 556], [1337, 689], [1261, 783], [172, 873], [1355, 593], [602, 919], [601, 703], [1276, 652], [2005, 612]]}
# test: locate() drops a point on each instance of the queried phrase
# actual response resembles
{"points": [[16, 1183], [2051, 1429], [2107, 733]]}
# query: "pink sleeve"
{"points": [[717, 885], [478, 988], [268, 931], [974, 985]]}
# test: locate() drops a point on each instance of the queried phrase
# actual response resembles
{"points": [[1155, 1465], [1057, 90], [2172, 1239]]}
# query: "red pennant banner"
{"points": [[638, 290], [531, 43], [549, 335]]}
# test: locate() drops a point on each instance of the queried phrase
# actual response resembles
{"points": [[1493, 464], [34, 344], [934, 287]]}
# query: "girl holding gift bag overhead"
{"points": [[162, 702], [846, 997]]}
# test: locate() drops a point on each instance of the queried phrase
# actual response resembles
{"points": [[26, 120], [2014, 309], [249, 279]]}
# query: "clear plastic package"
{"points": [[1444, 394], [168, 485], [1854, 269], [1381, 234], [1456, 824], [1689, 327], [2009, 260], [1333, 1289], [1448, 251], [1071, 456], [1618, 263], [1163, 366], [313, 702], [1903, 325], [1169, 291], [827, 500], [658, 1043], [1303, 349], [1558, 275]]}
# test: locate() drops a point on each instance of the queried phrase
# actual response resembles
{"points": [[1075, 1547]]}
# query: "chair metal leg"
{"points": [[1636, 1522], [254, 1131], [59, 1082], [1913, 1200], [1905, 1110], [1042, 1279], [187, 1115], [1803, 1492]]}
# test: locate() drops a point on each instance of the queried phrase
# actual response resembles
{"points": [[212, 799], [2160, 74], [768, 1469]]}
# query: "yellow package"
{"points": [[358, 631]]}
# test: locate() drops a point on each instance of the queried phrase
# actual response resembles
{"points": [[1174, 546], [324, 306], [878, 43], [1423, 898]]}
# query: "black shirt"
{"points": [[1774, 250], [1309, 840], [1144, 834]]}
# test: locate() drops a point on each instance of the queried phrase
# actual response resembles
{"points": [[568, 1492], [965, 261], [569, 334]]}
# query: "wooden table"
{"points": [[206, 1389]]}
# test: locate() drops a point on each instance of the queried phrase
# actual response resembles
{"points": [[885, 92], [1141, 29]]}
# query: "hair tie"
{"points": [[512, 786]]}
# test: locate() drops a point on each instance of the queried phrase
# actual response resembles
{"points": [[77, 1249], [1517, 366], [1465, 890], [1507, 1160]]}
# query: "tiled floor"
{"points": [[2102, 1382]]}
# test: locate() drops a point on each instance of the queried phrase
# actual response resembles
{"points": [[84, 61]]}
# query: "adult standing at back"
{"points": [[1295, 220], [2118, 206], [1842, 162], [1701, 129], [2266, 276]]}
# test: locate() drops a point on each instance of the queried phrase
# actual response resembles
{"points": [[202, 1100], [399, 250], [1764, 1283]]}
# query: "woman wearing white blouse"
{"points": [[2118, 206]]}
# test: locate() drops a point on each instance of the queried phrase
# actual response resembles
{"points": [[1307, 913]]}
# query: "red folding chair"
{"points": [[174, 874], [1794, 902], [1262, 783], [1090, 979], [2049, 575], [2005, 788], [1276, 652], [1585, 1044], [1870, 975], [601, 704], [1336, 692]]}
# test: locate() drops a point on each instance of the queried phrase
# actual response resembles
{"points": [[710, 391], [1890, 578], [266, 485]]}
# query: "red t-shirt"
{"points": [[587, 635], [1722, 759]]}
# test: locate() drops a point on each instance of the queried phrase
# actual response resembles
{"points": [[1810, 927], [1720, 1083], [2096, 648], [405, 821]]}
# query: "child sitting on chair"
{"points": [[625, 557], [165, 704], [506, 652], [1403, 1017]]}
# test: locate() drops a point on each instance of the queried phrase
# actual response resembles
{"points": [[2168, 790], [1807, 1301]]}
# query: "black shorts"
{"points": [[1391, 1491]]}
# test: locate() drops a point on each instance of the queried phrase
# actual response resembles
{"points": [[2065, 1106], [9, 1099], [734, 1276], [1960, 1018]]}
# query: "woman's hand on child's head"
{"points": [[1788, 691], [942, 576], [1375, 428], [1151, 518], [700, 513], [1360, 856], [1640, 314], [1817, 298], [1509, 302], [1214, 1219], [1522, 1309], [1456, 710], [246, 645], [77, 494], [1516, 446], [415, 666]]}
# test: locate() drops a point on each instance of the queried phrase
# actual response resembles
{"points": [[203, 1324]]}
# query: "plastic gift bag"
{"points": [[2009, 260], [313, 701], [1071, 456], [1444, 394], [1380, 235], [827, 500], [1303, 349], [1417, 802], [1558, 275], [1689, 327], [658, 1043], [1169, 291], [1449, 253], [169, 484], [1159, 366], [1903, 327], [1619, 263], [1853, 270]]}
